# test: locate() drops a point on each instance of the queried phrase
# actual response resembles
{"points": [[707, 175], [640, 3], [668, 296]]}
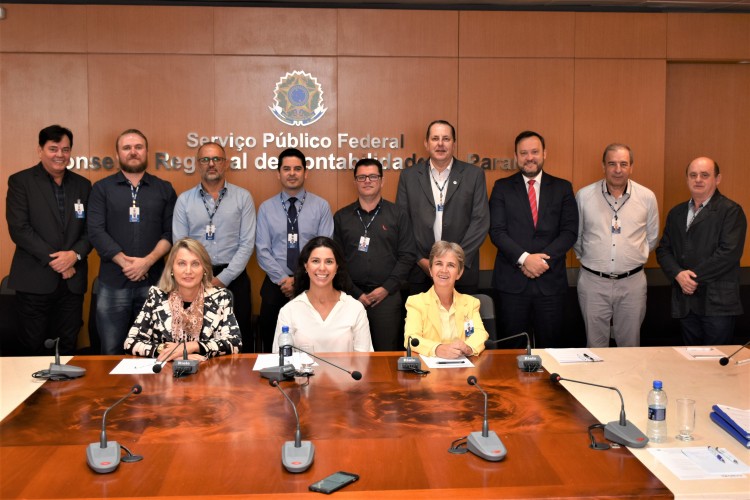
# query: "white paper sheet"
{"points": [[436, 362], [132, 366], [700, 353], [575, 355], [698, 463]]}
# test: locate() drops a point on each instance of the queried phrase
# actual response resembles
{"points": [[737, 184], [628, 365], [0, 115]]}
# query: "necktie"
{"points": [[532, 201], [292, 247]]}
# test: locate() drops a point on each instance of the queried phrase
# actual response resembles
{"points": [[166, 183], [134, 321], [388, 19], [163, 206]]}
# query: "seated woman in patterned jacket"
{"points": [[185, 306]]}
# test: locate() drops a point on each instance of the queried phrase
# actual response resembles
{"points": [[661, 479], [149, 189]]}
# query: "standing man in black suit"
{"points": [[534, 222], [700, 252], [46, 212], [445, 199]]}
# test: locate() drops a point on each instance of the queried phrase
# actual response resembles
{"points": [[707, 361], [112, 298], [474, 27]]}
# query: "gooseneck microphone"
{"points": [[485, 444], [184, 366], [296, 456], [527, 362], [283, 371], [104, 457], [355, 374], [410, 363], [725, 360], [623, 431], [58, 371]]}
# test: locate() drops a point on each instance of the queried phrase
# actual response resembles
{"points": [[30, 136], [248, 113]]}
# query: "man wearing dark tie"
{"points": [[533, 224], [46, 212], [286, 222]]}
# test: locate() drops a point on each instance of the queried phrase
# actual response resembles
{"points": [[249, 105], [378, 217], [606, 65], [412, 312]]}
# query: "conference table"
{"points": [[220, 432]]}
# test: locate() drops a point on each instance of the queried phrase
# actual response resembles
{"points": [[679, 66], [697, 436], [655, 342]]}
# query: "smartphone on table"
{"points": [[334, 482]]}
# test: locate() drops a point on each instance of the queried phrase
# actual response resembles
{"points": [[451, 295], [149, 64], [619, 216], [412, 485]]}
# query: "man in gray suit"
{"points": [[700, 252], [446, 199], [46, 213]]}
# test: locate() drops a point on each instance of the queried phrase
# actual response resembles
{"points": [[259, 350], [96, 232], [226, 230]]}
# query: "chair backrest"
{"points": [[487, 313]]}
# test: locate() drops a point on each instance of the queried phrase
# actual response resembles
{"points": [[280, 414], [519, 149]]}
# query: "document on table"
{"points": [[137, 366], [436, 362], [271, 360], [700, 462], [576, 355], [699, 353]]}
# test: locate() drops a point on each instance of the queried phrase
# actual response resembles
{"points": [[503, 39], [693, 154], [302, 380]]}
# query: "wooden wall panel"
{"points": [[516, 34], [708, 37], [491, 116], [55, 28], [396, 33], [292, 32], [621, 35], [136, 29], [707, 115], [620, 101]]}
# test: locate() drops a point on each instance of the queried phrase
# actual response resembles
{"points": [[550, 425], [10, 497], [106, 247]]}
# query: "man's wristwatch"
{"points": [[78, 256]]}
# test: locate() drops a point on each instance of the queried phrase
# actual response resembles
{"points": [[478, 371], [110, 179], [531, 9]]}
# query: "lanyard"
{"points": [[216, 206], [134, 192], [286, 212], [367, 226], [610, 205], [440, 188]]}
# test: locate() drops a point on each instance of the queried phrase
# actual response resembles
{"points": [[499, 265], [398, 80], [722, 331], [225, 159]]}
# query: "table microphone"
{"points": [[158, 366], [623, 431], [527, 362], [485, 444], [355, 374], [723, 361], [283, 371], [296, 456], [104, 457], [184, 366], [410, 363], [57, 369]]}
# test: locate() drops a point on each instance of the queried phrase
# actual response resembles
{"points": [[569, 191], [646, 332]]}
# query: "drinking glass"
{"points": [[685, 419], [306, 361]]}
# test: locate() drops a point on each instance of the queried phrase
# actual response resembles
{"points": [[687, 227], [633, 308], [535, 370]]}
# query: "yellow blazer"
{"points": [[423, 322]]}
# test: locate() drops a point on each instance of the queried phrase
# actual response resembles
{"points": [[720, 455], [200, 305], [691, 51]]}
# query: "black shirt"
{"points": [[111, 231], [391, 252]]}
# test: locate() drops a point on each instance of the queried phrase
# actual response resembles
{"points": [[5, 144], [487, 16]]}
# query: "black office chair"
{"points": [[487, 313], [10, 326]]}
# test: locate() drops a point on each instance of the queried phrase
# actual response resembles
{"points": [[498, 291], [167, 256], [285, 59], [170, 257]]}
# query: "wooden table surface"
{"points": [[220, 432]]}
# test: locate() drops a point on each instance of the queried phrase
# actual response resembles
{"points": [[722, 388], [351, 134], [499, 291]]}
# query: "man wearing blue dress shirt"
{"points": [[286, 222], [222, 217]]}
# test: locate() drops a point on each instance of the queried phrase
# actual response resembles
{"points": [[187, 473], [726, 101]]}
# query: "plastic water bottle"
{"points": [[657, 414], [286, 350]]}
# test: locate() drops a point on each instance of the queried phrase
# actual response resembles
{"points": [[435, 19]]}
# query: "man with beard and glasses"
{"points": [[130, 226], [533, 224]]}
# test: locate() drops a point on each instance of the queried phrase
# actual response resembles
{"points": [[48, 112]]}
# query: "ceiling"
{"points": [[719, 6]]}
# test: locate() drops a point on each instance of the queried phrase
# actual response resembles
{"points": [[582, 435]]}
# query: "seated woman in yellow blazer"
{"points": [[446, 323]]}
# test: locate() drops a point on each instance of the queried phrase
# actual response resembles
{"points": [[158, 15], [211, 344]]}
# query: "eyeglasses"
{"points": [[208, 159], [363, 178]]}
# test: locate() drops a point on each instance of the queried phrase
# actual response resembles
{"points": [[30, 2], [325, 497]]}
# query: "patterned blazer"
{"points": [[153, 325]]}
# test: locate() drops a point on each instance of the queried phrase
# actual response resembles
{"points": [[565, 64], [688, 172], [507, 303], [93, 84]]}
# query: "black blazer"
{"points": [[465, 215], [711, 248], [36, 228], [512, 231]]}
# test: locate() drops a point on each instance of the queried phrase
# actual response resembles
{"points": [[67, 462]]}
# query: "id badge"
{"points": [[469, 328], [616, 228], [135, 214], [439, 207], [364, 244], [210, 232], [291, 240], [78, 209]]}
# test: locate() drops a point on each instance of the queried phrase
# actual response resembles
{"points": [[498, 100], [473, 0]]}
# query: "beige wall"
{"points": [[667, 84]]}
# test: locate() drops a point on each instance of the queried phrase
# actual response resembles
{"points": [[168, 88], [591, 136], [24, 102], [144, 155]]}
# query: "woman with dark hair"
{"points": [[185, 306], [321, 314]]}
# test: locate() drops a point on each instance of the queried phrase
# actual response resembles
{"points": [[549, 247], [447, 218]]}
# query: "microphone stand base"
{"points": [[529, 362], [487, 447], [627, 435], [278, 373], [297, 460], [66, 370], [103, 460]]}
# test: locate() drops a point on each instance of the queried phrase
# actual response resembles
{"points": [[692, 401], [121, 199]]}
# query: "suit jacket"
{"points": [[423, 321], [465, 214], [513, 233], [36, 228], [153, 325], [711, 248]]}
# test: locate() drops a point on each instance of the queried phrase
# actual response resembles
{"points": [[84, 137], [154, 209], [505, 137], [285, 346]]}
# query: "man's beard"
{"points": [[134, 169]]}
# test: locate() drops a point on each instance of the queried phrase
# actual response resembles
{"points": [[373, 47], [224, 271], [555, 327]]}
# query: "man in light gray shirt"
{"points": [[221, 216], [618, 227]]}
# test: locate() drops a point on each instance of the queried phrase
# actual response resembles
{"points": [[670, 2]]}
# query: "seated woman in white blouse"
{"points": [[321, 314]]}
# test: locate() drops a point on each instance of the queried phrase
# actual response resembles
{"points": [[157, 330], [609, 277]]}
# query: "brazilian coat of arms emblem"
{"points": [[298, 99]]}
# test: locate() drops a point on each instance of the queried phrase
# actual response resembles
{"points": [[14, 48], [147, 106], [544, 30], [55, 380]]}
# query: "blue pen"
{"points": [[718, 455]]}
